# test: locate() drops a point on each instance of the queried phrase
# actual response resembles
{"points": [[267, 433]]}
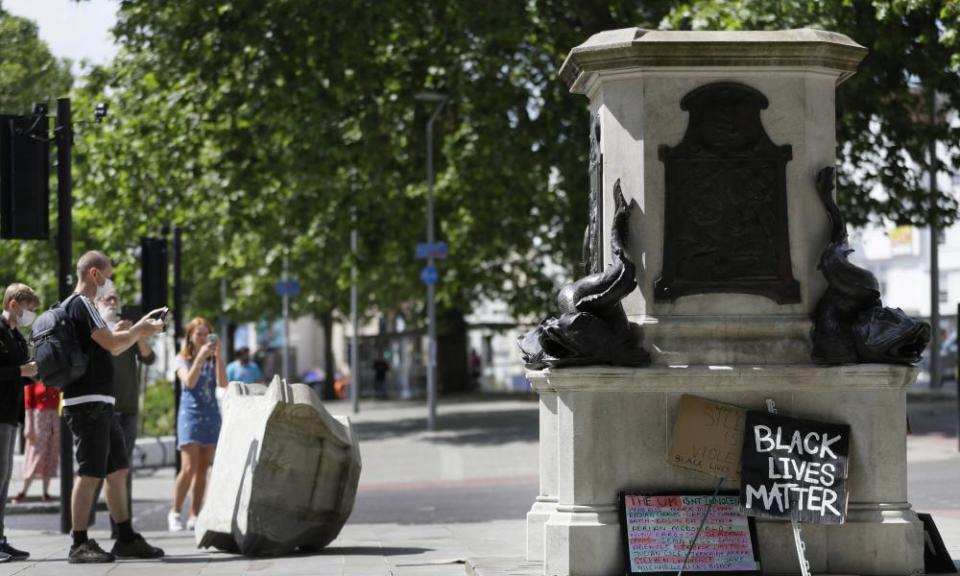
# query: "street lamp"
{"points": [[439, 100]]}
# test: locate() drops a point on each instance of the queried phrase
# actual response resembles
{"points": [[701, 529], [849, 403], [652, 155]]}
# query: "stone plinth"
{"points": [[613, 428], [716, 139], [635, 80]]}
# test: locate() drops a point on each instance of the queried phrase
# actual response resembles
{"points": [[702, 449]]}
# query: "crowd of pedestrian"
{"points": [[100, 405]]}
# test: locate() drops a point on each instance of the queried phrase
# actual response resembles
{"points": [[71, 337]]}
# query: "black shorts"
{"points": [[98, 439]]}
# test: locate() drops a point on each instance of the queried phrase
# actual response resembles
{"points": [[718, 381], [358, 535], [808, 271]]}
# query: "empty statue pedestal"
{"points": [[606, 429]]}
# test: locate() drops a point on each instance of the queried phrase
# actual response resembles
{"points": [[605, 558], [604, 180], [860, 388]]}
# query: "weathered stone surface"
{"points": [[636, 81], [285, 472], [612, 432]]}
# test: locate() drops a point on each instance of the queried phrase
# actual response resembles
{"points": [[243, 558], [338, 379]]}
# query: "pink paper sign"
{"points": [[660, 530]]}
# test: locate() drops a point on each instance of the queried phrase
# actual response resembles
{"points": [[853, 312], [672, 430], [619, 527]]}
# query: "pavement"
{"points": [[429, 502]]}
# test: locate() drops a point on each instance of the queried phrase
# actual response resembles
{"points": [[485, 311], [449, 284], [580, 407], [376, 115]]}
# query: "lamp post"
{"points": [[439, 100]]}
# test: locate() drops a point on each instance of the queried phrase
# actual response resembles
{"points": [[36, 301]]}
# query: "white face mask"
{"points": [[26, 318], [102, 291]]}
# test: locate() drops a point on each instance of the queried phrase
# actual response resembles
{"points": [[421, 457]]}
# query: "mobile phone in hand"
{"points": [[131, 312], [160, 314], [213, 339]]}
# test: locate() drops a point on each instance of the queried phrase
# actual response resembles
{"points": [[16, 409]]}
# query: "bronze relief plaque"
{"points": [[726, 224]]}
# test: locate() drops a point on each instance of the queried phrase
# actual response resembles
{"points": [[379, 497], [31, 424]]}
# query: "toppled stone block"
{"points": [[285, 472]]}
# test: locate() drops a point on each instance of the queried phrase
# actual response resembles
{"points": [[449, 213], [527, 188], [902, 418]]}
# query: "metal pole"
{"points": [[63, 135], [355, 322], [225, 347], [431, 291], [177, 328], [935, 381], [286, 327]]}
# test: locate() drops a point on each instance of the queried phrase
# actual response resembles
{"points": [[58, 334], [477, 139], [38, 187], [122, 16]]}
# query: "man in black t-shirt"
{"points": [[88, 411]]}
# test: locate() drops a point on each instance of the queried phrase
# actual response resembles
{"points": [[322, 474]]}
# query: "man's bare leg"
{"points": [[116, 492], [81, 500]]}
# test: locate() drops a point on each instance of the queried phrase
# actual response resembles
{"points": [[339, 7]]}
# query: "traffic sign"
{"points": [[429, 275], [436, 250], [287, 288]]}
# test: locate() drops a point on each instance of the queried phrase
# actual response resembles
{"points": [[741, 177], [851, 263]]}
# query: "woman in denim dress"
{"points": [[201, 370]]}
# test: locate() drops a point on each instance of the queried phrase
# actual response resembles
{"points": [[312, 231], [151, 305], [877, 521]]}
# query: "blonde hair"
{"points": [[187, 352], [22, 293]]}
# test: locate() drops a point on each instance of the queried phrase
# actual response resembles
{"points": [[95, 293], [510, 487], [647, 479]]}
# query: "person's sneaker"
{"points": [[136, 548], [11, 551], [89, 553], [173, 521], [191, 522], [4, 557]]}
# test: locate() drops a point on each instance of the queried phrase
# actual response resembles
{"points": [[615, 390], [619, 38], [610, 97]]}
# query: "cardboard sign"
{"points": [[659, 531], [708, 436], [795, 468]]}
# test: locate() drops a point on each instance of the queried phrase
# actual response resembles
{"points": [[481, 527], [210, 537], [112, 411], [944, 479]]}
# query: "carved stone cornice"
{"points": [[633, 48]]}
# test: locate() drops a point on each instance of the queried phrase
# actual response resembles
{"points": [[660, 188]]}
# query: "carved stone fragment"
{"points": [[285, 473]]}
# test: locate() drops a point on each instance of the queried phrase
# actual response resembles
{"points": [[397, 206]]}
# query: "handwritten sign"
{"points": [[659, 531], [794, 468], [708, 437]]}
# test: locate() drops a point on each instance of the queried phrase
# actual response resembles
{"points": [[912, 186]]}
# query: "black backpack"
{"points": [[60, 359]]}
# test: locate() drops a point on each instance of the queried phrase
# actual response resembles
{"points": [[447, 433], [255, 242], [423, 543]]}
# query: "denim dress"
{"points": [[198, 421]]}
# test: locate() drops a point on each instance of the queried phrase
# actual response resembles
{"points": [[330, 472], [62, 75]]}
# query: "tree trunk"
{"points": [[453, 374], [231, 334], [329, 362]]}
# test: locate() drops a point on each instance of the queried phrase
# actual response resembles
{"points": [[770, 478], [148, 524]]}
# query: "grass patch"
{"points": [[158, 416]]}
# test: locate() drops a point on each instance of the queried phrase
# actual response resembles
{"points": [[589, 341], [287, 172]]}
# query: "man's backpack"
{"points": [[60, 359]]}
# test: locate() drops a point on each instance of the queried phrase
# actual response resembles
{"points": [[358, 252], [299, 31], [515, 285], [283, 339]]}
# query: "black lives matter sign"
{"points": [[794, 468]]}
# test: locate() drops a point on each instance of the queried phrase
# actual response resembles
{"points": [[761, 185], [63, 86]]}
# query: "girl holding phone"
{"points": [[201, 369]]}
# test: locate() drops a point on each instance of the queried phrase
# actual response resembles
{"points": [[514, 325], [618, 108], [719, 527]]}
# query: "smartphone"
{"points": [[212, 339], [159, 314], [131, 312]]}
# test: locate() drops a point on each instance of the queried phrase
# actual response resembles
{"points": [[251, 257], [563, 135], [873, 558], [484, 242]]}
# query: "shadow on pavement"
{"points": [[371, 551], [204, 558], [219, 557], [467, 428]]}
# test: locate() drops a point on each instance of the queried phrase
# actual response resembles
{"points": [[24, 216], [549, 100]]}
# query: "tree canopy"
{"points": [[264, 127], [883, 112], [270, 128]]}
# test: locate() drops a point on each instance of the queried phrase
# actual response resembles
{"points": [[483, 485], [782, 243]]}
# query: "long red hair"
{"points": [[187, 352]]}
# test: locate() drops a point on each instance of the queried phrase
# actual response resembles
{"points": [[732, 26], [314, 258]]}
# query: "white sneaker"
{"points": [[191, 522], [173, 522]]}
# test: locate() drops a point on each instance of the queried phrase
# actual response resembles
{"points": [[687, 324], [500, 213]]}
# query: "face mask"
{"points": [[105, 289], [27, 317]]}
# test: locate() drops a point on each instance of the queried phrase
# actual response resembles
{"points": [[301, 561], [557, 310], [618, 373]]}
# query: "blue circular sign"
{"points": [[429, 275]]}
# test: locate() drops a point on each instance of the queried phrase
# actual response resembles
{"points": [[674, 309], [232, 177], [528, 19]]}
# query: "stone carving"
{"points": [[285, 473], [592, 327], [850, 323], [592, 237], [726, 224]]}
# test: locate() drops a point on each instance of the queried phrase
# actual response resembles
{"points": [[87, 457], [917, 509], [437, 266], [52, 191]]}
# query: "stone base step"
{"points": [[503, 566]]}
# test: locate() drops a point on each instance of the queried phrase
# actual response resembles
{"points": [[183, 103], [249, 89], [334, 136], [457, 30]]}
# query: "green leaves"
{"points": [[883, 127], [28, 74]]}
